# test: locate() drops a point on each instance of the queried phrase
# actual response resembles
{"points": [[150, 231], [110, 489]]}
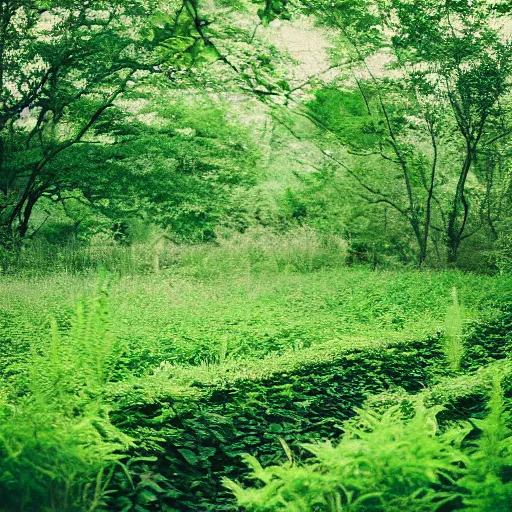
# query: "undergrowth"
{"points": [[395, 460], [58, 447], [144, 397], [453, 337], [301, 250], [187, 320]]}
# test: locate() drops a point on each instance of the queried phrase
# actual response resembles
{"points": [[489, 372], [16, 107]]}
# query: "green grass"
{"points": [[454, 333], [204, 361], [186, 320]]}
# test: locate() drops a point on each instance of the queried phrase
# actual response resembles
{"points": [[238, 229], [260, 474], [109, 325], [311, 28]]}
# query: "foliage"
{"points": [[75, 104], [488, 477], [383, 462], [259, 197], [501, 257], [202, 438], [189, 309], [84, 57], [199, 156], [395, 458], [207, 369], [454, 345], [491, 337], [431, 86], [201, 420], [58, 447], [274, 9], [176, 173]]}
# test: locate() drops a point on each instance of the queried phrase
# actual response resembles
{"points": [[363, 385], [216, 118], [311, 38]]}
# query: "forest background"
{"points": [[255, 255], [379, 129]]}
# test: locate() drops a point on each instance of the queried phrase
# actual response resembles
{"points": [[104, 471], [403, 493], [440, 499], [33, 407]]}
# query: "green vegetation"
{"points": [[181, 374], [59, 448], [394, 459], [454, 333], [187, 318], [255, 255]]}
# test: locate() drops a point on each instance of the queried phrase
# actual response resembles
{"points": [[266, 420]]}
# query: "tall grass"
{"points": [[300, 250], [41, 257]]}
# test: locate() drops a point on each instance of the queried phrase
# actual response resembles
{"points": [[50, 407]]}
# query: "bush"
{"points": [[300, 250], [198, 423], [388, 461], [199, 431], [383, 463]]}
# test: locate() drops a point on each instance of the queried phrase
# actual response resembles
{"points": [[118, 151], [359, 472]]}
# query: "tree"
{"points": [[68, 69], [439, 103], [63, 66], [176, 171]]}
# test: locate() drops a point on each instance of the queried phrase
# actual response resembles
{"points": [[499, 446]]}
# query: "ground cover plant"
{"points": [[180, 319], [183, 423], [390, 459]]}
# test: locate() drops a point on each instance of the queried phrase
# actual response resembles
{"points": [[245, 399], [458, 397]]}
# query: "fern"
{"points": [[389, 460], [384, 462], [488, 480], [57, 445], [453, 341]]}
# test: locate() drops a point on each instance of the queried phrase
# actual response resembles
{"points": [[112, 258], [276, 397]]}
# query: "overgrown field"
{"points": [[181, 319], [144, 392]]}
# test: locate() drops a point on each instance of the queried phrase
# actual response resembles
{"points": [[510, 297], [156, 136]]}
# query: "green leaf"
{"points": [[189, 456]]}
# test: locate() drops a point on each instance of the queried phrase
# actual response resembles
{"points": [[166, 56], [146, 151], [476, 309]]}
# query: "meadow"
{"points": [[149, 390], [181, 317]]}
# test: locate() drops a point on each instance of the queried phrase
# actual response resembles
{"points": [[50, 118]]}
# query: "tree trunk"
{"points": [[455, 228], [27, 212]]}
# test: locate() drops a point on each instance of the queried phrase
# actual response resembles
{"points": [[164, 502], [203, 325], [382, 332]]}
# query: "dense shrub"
{"points": [[387, 461], [200, 432], [200, 440], [383, 463], [490, 338]]}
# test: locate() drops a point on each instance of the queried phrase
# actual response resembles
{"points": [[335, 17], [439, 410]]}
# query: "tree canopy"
{"points": [[137, 108]]}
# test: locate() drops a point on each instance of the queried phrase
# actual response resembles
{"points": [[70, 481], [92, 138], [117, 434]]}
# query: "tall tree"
{"points": [[63, 66], [68, 69], [446, 73]]}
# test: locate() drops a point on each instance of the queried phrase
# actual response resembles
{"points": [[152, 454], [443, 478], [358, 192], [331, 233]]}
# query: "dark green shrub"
{"points": [[199, 438], [489, 339], [383, 463], [388, 461]]}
